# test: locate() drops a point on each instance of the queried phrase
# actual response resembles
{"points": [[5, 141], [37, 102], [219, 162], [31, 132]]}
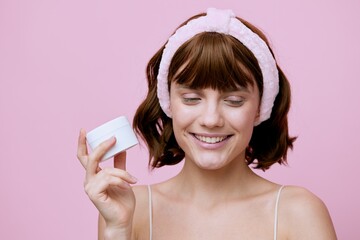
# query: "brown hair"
{"points": [[221, 62]]}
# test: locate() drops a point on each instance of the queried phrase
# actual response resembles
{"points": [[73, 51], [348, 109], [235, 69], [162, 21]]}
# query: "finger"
{"points": [[82, 151], [120, 160], [115, 172], [107, 177], [94, 158], [94, 188]]}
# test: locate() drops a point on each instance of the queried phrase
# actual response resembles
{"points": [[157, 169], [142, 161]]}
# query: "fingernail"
{"points": [[113, 138]]}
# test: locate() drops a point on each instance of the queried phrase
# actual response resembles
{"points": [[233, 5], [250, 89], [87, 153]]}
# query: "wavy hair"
{"points": [[221, 62]]}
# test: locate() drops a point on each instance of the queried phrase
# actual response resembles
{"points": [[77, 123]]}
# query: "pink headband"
{"points": [[222, 21]]}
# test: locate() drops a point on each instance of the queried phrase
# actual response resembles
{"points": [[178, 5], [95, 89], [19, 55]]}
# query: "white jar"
{"points": [[119, 128]]}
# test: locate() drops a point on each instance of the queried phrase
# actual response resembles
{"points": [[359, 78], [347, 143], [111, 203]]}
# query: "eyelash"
{"points": [[236, 103], [191, 100]]}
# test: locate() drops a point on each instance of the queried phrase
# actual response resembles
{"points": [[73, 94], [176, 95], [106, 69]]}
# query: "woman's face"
{"points": [[213, 128]]}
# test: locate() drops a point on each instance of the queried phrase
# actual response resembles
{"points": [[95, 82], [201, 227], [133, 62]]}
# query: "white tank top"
{"points": [[275, 212]]}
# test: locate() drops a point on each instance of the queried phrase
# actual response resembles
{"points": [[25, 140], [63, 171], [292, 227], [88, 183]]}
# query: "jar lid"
{"points": [[106, 128]]}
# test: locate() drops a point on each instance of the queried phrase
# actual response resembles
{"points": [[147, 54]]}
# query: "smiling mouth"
{"points": [[210, 140]]}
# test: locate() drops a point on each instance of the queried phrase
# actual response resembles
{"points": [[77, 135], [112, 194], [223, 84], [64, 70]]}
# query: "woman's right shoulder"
{"points": [[142, 198], [141, 215], [141, 192]]}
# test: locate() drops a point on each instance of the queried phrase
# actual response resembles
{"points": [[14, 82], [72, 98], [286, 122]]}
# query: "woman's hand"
{"points": [[109, 188]]}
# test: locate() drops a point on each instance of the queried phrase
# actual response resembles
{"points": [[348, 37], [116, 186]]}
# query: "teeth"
{"points": [[210, 139]]}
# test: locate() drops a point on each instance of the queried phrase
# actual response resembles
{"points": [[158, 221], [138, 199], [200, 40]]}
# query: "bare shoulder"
{"points": [[304, 215], [142, 200], [141, 193], [299, 196], [141, 214]]}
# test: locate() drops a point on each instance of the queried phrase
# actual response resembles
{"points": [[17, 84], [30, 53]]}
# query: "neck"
{"points": [[211, 186]]}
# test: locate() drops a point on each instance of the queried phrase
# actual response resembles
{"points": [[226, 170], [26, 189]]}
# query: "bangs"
{"points": [[217, 61]]}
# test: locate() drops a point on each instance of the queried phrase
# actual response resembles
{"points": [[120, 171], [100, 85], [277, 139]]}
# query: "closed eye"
{"points": [[236, 102], [191, 100]]}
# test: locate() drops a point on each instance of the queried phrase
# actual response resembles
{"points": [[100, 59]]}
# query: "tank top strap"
{"points": [[276, 211], [150, 212]]}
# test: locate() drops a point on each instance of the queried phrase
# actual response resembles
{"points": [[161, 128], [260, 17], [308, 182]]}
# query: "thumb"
{"points": [[120, 160]]}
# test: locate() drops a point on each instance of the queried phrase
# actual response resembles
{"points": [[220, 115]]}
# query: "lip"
{"points": [[210, 146], [211, 134]]}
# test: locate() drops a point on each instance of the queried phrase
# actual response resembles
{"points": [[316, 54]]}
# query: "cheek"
{"points": [[243, 121], [178, 117], [179, 129], [244, 116], [181, 120], [181, 114]]}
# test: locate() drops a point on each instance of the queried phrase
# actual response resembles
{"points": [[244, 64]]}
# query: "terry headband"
{"points": [[225, 22]]}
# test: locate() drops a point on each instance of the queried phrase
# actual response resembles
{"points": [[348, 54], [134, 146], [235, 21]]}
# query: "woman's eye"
{"points": [[235, 102], [191, 100]]}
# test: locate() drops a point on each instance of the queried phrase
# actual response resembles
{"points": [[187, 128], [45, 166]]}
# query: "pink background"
{"points": [[69, 64]]}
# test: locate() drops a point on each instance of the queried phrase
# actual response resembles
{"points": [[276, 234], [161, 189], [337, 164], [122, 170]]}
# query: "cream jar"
{"points": [[119, 128]]}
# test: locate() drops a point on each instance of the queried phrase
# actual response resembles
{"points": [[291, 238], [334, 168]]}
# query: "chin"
{"points": [[210, 164]]}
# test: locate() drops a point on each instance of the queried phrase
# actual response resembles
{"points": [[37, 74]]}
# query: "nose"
{"points": [[211, 115]]}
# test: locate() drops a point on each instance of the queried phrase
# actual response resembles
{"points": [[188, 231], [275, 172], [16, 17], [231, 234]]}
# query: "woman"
{"points": [[217, 101]]}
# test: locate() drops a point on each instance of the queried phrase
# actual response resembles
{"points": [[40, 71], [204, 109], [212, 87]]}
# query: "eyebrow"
{"points": [[182, 86], [238, 89]]}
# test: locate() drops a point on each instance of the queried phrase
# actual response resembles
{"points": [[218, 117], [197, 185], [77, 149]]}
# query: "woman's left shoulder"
{"points": [[300, 195], [300, 203], [305, 214]]}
